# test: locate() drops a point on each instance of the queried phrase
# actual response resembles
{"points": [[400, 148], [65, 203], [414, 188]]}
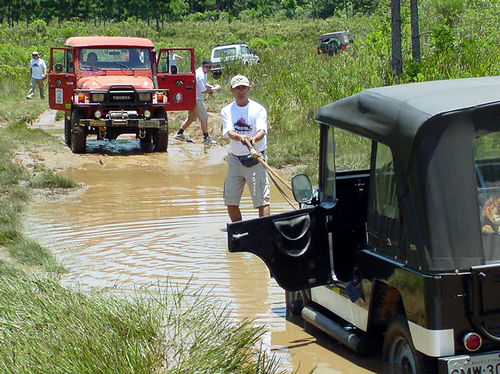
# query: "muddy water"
{"points": [[146, 218]]}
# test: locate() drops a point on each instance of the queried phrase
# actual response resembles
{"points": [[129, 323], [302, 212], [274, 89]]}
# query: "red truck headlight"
{"points": [[145, 96], [97, 97]]}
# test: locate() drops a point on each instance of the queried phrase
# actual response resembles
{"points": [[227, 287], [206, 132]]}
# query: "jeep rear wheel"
{"points": [[78, 133], [399, 353]]}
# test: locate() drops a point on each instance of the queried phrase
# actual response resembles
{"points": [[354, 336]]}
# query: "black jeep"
{"points": [[407, 251]]}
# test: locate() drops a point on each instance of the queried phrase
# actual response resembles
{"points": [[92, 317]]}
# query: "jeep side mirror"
{"points": [[302, 188], [58, 68]]}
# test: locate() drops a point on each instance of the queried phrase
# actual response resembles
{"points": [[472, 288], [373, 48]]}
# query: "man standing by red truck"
{"points": [[199, 111], [38, 71]]}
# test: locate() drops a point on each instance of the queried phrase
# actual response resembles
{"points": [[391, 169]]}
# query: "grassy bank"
{"points": [[16, 181], [48, 328]]}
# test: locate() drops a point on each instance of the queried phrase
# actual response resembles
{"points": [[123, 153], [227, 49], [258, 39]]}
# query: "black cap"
{"points": [[207, 63]]}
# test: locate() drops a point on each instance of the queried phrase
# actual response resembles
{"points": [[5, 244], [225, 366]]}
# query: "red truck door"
{"points": [[62, 79], [176, 73]]}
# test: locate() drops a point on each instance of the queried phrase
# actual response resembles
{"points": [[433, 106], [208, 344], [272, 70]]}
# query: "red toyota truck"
{"points": [[110, 86]]}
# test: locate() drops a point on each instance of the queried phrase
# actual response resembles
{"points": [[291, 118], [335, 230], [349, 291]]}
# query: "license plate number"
{"points": [[478, 364]]}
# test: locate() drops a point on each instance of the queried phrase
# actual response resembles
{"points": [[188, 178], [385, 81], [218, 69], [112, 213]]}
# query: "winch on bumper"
{"points": [[128, 118]]}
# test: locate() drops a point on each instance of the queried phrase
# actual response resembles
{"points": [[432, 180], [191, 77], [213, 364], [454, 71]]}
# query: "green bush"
{"points": [[48, 179]]}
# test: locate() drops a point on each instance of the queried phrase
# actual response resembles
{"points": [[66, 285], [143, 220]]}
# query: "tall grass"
{"points": [[53, 329]]}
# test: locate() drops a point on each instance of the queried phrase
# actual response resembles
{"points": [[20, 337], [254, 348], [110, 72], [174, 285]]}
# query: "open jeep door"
{"points": [[62, 79], [176, 73], [293, 245]]}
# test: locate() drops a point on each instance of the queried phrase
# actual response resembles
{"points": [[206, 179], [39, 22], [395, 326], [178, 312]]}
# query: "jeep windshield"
{"points": [[487, 164], [114, 59], [225, 53]]}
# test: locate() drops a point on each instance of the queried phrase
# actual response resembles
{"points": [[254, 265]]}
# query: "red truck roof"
{"points": [[92, 41]]}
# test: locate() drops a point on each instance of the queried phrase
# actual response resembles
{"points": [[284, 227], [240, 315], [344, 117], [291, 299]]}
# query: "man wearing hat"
{"points": [[38, 72], [245, 119], [199, 111]]}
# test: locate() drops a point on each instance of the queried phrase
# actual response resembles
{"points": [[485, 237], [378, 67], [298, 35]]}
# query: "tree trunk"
{"points": [[396, 61], [415, 31]]}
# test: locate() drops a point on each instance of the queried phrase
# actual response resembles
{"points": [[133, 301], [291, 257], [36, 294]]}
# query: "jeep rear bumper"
{"points": [[140, 123]]}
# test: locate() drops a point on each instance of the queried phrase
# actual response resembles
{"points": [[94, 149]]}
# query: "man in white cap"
{"points": [[38, 72], [245, 119]]}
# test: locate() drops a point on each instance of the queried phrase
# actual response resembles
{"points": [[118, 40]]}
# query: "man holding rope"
{"points": [[244, 121]]}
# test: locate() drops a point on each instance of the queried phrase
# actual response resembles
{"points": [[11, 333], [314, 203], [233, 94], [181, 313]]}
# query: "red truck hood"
{"points": [[97, 82]]}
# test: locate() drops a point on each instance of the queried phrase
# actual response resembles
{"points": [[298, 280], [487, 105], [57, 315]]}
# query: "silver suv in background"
{"points": [[231, 52]]}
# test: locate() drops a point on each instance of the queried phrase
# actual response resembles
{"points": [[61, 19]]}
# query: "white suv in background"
{"points": [[230, 52]]}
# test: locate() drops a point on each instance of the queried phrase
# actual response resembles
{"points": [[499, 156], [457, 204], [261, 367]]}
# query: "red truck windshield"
{"points": [[114, 59]]}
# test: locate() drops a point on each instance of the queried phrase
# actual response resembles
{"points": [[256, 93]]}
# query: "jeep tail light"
{"points": [[472, 341]]}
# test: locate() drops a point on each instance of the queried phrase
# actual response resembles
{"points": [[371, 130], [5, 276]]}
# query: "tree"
{"points": [[396, 60], [415, 31]]}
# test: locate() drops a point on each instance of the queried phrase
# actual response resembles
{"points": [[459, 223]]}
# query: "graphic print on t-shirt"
{"points": [[242, 127]]}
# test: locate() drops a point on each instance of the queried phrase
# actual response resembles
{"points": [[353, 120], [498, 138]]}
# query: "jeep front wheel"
{"points": [[294, 303], [78, 134]]}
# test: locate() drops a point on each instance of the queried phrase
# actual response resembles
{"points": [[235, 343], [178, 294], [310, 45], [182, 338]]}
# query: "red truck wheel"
{"points": [[78, 134], [160, 140], [67, 130], [160, 137]]}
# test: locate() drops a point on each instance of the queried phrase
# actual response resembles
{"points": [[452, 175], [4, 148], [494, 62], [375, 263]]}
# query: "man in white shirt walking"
{"points": [[199, 111], [38, 73], [245, 119]]}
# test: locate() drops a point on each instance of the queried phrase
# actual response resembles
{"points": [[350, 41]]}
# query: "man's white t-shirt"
{"points": [[201, 83], [244, 120], [37, 66]]}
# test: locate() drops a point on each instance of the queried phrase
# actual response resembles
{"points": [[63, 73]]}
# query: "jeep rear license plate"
{"points": [[477, 364]]}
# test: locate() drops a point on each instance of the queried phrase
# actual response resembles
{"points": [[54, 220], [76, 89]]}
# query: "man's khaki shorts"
{"points": [[255, 177], [198, 112]]}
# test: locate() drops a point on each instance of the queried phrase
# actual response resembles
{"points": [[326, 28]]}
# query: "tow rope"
{"points": [[272, 174]]}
